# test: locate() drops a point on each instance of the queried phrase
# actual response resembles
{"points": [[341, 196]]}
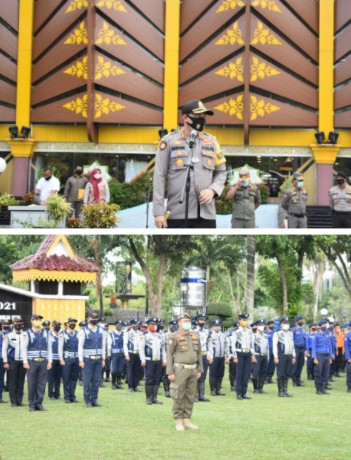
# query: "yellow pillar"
{"points": [[24, 66], [171, 75]]}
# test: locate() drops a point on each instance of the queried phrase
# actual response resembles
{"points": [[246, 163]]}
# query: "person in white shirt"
{"points": [[46, 186]]}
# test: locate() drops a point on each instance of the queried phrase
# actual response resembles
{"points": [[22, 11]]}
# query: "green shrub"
{"points": [[219, 309], [130, 194], [99, 215], [8, 200], [58, 208]]}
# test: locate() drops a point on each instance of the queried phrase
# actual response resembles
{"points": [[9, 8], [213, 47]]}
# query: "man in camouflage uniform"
{"points": [[192, 151], [294, 203], [184, 368], [247, 199]]}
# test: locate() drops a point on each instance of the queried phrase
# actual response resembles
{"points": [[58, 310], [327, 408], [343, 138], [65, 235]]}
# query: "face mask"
{"points": [[254, 330], [198, 123], [93, 322], [260, 328], [186, 326], [323, 328], [201, 325], [37, 323], [271, 328], [340, 181], [285, 327], [173, 328], [135, 328], [79, 172], [72, 326], [57, 328], [6, 328], [119, 328], [152, 328], [97, 176], [245, 184], [300, 184], [300, 323], [18, 327], [48, 178], [217, 328], [313, 330], [243, 323]]}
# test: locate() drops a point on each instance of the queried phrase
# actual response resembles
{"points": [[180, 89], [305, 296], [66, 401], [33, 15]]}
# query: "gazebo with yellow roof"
{"points": [[56, 274]]}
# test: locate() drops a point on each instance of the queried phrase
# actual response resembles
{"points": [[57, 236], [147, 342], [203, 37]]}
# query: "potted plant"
{"points": [[99, 215], [6, 200], [58, 209]]}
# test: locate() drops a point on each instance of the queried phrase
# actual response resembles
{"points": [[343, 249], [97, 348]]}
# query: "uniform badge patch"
{"points": [[163, 145], [180, 162], [209, 163]]}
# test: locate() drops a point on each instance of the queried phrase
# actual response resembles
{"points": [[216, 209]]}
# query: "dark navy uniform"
{"points": [[12, 357], [271, 367], [299, 335], [204, 335], [216, 357], [260, 356], [347, 347], [242, 339], [283, 350], [91, 352], [309, 339], [55, 373], [332, 337], [115, 350], [2, 370], [322, 354], [131, 352], [153, 358], [230, 355], [68, 354], [37, 353]]}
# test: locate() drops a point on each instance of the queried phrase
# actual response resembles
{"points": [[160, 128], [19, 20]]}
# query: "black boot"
{"points": [[149, 394], [201, 390], [154, 395], [269, 380], [294, 382], [213, 387], [166, 384], [281, 393], [319, 391], [324, 391], [261, 384], [348, 388], [114, 379], [285, 383], [255, 385], [218, 388], [232, 383], [119, 382], [299, 382]]}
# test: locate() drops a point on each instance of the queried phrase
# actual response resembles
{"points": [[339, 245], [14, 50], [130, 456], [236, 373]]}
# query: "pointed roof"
{"points": [[55, 260]]}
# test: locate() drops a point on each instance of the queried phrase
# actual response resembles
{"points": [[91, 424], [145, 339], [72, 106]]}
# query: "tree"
{"points": [[250, 274]]}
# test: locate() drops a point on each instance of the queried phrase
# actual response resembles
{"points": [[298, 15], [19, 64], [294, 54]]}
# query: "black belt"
{"points": [[299, 216], [342, 212], [326, 355]]}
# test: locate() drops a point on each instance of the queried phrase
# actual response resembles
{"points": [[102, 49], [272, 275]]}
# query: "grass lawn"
{"points": [[306, 426]]}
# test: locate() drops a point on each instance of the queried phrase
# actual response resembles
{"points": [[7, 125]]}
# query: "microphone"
{"points": [[193, 136]]}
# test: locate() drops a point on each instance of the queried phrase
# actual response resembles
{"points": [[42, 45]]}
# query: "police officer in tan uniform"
{"points": [[188, 159], [247, 199], [294, 202], [340, 201], [184, 368]]}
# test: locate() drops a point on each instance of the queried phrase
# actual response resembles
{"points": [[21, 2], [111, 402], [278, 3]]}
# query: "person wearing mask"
{"points": [[260, 356], [91, 353], [242, 339], [74, 191], [190, 165], [46, 325], [230, 345], [347, 347], [340, 201], [246, 199], [55, 373], [294, 203], [299, 335], [184, 368], [322, 358], [131, 353], [153, 358], [68, 355], [284, 355], [216, 357], [309, 339], [13, 362], [46, 186], [204, 336], [115, 350], [271, 367], [37, 359], [97, 189]]}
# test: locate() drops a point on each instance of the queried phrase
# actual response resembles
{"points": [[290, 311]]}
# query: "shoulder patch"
{"points": [[162, 145]]}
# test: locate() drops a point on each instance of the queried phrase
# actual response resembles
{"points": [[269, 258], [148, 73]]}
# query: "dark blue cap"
{"points": [[173, 322], [235, 323], [270, 322], [284, 319], [260, 322], [216, 322], [322, 321], [298, 318], [152, 321], [119, 322], [243, 316]]}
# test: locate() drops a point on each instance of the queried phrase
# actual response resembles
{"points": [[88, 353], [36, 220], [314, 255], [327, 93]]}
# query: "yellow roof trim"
{"points": [[54, 275]]}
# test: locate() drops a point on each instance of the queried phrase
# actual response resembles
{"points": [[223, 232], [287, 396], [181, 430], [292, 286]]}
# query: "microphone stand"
{"points": [[186, 185]]}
